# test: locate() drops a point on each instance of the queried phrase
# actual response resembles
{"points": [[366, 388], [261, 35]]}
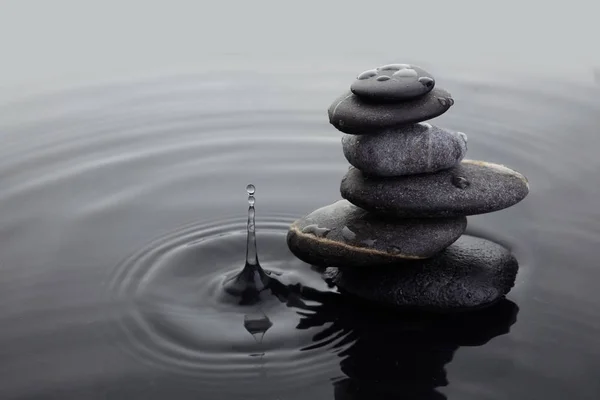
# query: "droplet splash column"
{"points": [[248, 285]]}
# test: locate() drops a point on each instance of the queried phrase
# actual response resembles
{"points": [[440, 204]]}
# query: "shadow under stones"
{"points": [[398, 354]]}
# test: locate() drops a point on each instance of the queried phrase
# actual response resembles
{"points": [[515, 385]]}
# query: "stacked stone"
{"points": [[396, 238]]}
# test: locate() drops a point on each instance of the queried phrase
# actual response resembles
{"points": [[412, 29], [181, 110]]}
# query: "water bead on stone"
{"points": [[427, 81], [348, 234], [460, 182], [403, 85], [448, 101], [367, 74], [405, 73], [315, 230], [394, 67]]}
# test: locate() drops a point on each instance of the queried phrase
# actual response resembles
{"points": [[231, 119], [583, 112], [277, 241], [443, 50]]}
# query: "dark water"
{"points": [[123, 210]]}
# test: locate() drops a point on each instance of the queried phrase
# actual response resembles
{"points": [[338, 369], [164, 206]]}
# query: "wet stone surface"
{"points": [[472, 273], [351, 114], [413, 149], [472, 187], [342, 234], [393, 83]]}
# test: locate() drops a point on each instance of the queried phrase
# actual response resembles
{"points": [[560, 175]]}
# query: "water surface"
{"points": [[123, 209]]}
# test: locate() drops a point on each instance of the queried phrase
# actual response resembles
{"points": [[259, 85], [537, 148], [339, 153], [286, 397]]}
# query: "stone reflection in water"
{"points": [[400, 354]]}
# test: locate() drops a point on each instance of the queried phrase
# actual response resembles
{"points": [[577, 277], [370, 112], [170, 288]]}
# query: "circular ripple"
{"points": [[174, 313]]}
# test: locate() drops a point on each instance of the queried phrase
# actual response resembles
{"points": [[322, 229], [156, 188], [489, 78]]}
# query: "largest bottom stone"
{"points": [[471, 273]]}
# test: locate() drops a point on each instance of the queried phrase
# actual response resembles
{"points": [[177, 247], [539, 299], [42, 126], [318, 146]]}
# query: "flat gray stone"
{"points": [[412, 149], [393, 83], [472, 273], [351, 114], [341, 234], [472, 187]]}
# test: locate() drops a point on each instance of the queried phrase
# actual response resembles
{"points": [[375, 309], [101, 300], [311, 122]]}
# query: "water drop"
{"points": [[405, 73], [427, 81], [460, 182], [367, 74], [394, 67], [315, 230], [251, 252], [383, 78], [347, 234], [442, 101]]}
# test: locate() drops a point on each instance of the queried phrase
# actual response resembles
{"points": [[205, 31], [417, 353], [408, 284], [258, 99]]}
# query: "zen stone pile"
{"points": [[397, 238]]}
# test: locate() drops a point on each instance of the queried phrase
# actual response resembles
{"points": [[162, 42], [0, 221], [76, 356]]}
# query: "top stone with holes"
{"points": [[393, 83]]}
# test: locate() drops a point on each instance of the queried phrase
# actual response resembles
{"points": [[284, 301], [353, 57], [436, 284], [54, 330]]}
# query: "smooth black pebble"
{"points": [[342, 234], [412, 149], [471, 187], [354, 115], [393, 83], [472, 273]]}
